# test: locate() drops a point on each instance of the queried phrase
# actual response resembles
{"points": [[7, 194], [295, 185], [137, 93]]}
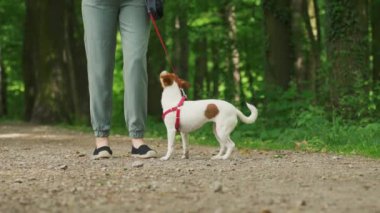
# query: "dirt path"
{"points": [[45, 169]]}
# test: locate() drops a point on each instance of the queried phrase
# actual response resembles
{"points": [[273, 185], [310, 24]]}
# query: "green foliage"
{"points": [[314, 132], [291, 119], [11, 38], [342, 19]]}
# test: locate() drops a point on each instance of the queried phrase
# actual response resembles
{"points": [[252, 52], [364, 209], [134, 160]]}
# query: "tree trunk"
{"points": [[251, 83], [234, 52], [3, 88], [347, 52], [201, 68], [279, 51], [30, 58], [306, 39], [376, 40], [181, 41], [156, 63], [301, 63], [77, 62], [215, 57], [54, 68], [209, 79], [313, 27]]}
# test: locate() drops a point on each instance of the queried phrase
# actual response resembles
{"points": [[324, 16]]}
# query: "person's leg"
{"points": [[100, 20], [135, 29]]}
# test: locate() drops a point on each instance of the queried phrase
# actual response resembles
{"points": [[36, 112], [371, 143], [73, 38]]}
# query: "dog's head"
{"points": [[170, 79]]}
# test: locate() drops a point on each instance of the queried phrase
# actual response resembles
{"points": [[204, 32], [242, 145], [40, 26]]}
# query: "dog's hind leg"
{"points": [[171, 141], [230, 147], [185, 143], [221, 143], [227, 129]]}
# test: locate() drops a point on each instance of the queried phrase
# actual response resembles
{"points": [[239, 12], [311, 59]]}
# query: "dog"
{"points": [[187, 116]]}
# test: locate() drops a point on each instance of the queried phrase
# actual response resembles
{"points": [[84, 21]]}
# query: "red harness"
{"points": [[178, 112]]}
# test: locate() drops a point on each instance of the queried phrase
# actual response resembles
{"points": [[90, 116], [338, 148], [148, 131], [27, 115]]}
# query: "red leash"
{"points": [[161, 41]]}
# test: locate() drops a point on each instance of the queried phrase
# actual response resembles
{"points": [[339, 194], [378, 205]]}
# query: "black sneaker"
{"points": [[143, 152], [102, 152]]}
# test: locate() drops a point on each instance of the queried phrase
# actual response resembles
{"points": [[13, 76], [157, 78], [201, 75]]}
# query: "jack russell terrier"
{"points": [[187, 116]]}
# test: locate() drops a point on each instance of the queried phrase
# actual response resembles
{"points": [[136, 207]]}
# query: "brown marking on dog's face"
{"points": [[167, 79], [211, 111]]}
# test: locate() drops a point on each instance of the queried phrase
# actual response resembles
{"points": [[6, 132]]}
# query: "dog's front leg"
{"points": [[171, 140], [185, 143]]}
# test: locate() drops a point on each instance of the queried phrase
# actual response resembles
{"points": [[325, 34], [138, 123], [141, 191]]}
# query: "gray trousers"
{"points": [[101, 20]]}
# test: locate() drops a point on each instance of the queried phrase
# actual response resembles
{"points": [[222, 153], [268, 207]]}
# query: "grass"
{"points": [[314, 134], [309, 132]]}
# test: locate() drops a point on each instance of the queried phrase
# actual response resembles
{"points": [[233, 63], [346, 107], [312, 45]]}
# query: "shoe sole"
{"points": [[149, 154], [102, 155]]}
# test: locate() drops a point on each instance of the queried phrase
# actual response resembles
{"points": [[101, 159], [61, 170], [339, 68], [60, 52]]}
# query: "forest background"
{"points": [[312, 67]]}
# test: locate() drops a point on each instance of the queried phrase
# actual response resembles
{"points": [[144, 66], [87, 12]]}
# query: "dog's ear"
{"points": [[184, 84]]}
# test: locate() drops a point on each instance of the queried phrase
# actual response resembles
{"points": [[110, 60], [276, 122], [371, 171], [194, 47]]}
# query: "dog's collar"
{"points": [[183, 92], [177, 110]]}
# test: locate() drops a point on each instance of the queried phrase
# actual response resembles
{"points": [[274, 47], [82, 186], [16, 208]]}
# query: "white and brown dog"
{"points": [[187, 116]]}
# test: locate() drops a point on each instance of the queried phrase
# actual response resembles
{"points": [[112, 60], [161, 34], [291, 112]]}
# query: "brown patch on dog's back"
{"points": [[211, 111]]}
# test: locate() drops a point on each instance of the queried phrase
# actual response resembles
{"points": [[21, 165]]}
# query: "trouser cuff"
{"points": [[136, 134], [101, 133]]}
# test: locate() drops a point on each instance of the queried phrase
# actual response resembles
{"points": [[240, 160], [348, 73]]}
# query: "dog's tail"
{"points": [[251, 118]]}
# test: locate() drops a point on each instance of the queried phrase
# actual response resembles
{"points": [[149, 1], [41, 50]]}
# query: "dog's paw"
{"points": [[216, 157], [185, 157], [164, 158]]}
